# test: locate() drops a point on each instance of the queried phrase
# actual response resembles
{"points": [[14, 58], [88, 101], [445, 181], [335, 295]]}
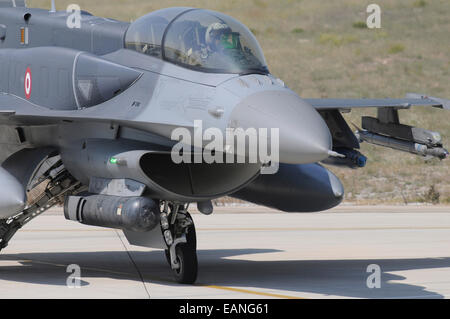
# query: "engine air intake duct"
{"points": [[139, 214]]}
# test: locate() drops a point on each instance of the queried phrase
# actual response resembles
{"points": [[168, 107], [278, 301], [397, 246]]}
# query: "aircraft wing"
{"points": [[6, 105], [411, 99], [384, 130]]}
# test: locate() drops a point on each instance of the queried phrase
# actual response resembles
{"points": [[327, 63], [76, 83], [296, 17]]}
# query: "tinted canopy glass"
{"points": [[211, 41], [198, 39], [146, 33]]}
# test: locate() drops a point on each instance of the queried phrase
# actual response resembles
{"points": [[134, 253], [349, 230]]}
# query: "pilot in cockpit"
{"points": [[219, 43], [220, 37], [197, 39]]}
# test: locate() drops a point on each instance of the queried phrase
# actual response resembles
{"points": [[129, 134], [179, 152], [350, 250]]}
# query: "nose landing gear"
{"points": [[179, 234]]}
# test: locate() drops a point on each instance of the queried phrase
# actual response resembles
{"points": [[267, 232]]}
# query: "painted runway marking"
{"points": [[246, 291], [156, 281]]}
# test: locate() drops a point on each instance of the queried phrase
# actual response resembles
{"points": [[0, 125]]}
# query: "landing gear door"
{"points": [[151, 239]]}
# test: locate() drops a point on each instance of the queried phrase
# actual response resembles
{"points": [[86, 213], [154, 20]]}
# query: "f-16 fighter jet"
{"points": [[89, 116]]}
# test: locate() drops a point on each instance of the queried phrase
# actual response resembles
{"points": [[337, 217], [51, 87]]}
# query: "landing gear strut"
{"points": [[178, 230], [58, 183]]}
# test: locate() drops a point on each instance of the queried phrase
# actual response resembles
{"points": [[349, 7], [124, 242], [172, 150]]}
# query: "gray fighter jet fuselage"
{"points": [[88, 111]]}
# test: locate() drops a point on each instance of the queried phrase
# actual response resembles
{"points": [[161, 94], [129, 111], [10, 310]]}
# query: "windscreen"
{"points": [[146, 33]]}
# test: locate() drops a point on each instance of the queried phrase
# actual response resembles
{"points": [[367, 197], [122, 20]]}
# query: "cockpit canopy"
{"points": [[202, 40]]}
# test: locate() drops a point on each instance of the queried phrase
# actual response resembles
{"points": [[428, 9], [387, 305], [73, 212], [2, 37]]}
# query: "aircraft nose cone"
{"points": [[304, 136]]}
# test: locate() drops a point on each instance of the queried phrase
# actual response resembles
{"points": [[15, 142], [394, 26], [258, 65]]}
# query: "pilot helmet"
{"points": [[216, 32]]}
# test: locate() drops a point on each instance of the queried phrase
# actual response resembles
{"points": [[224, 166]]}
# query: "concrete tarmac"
{"points": [[243, 252]]}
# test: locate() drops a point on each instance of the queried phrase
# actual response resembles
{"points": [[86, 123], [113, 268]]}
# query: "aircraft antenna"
{"points": [[53, 9]]}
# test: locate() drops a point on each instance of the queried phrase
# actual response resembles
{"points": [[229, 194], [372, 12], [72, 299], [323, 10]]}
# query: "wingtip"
{"points": [[444, 103]]}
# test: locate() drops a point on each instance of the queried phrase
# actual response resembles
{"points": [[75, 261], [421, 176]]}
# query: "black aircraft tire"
{"points": [[186, 254], [191, 239], [187, 258], [167, 253], [191, 236]]}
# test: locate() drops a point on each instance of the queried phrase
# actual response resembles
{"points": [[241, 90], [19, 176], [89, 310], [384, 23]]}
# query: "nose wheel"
{"points": [[186, 258], [179, 233]]}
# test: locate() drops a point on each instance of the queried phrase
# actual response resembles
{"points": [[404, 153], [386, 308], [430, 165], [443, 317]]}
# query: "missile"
{"points": [[401, 145]]}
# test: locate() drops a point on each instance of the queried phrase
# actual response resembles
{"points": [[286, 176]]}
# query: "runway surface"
{"points": [[243, 253]]}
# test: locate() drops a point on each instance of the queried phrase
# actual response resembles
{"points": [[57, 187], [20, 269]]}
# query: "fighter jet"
{"points": [[88, 111]]}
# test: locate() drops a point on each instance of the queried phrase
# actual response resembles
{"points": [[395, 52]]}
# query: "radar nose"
{"points": [[303, 135]]}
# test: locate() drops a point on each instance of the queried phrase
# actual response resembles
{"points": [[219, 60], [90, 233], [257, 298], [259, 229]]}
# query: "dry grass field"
{"points": [[322, 49]]}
